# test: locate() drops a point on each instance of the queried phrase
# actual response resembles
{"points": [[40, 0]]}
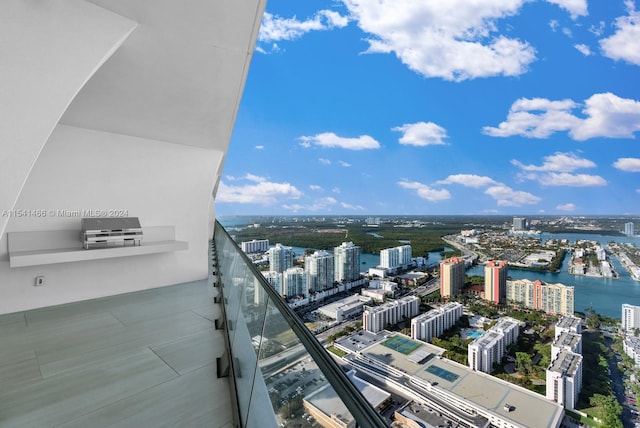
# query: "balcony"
{"points": [[221, 352]]}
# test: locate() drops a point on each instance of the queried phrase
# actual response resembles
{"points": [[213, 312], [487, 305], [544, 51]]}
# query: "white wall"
{"points": [[49, 51], [161, 183]]}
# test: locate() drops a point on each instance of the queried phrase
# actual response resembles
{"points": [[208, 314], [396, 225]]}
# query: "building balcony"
{"points": [[222, 352]]}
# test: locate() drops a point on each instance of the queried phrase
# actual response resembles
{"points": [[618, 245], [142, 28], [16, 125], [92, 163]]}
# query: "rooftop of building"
{"points": [[361, 340], [327, 401], [436, 312], [507, 323], [488, 339], [567, 339], [569, 322], [526, 408], [566, 363], [346, 303], [392, 304]]}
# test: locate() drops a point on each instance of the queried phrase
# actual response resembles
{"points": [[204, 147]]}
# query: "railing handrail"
{"points": [[356, 403]]}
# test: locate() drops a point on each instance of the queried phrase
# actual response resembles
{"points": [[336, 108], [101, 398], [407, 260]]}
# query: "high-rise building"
{"points": [[275, 280], [346, 262], [435, 322], [391, 258], [564, 379], [629, 229], [255, 246], [630, 317], [319, 268], [488, 349], [452, 275], [568, 324], [294, 282], [551, 298], [570, 342], [495, 281], [280, 258], [375, 319], [519, 223]]}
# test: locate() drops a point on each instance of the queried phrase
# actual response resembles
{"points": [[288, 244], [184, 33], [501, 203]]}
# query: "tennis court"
{"points": [[401, 344], [442, 373]]}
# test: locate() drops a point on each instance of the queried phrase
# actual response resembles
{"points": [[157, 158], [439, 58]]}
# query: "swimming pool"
{"points": [[475, 334]]}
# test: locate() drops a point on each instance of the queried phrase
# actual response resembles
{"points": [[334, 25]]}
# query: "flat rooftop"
{"points": [[488, 339], [360, 340], [566, 363], [567, 339], [480, 389], [346, 303], [569, 322]]}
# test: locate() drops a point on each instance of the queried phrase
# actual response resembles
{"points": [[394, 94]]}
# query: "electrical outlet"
{"points": [[39, 280]]}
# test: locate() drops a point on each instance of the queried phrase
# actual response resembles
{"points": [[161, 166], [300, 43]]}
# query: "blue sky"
{"points": [[362, 107]]}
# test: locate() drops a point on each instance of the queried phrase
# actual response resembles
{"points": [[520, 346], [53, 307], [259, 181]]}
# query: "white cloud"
{"points": [[566, 207], [426, 192], [259, 192], [567, 32], [322, 204], [599, 29], [607, 115], [336, 190], [454, 39], [556, 171], [315, 187], [421, 134], [574, 7], [554, 24], [559, 162], [628, 164], [344, 164], [329, 139], [506, 196], [256, 178], [623, 45], [555, 116], [468, 180], [570, 180], [259, 147], [583, 49], [293, 207], [275, 28], [324, 161], [351, 207]]}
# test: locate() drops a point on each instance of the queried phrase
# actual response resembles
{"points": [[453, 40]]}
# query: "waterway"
{"points": [[604, 295]]}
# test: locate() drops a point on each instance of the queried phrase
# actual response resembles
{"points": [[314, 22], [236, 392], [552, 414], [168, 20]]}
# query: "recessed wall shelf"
{"points": [[64, 246]]}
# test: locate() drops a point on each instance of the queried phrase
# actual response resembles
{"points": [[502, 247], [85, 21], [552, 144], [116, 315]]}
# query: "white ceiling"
{"points": [[179, 75]]}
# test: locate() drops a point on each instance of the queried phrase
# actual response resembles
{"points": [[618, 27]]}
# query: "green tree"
{"points": [[609, 410], [593, 319], [523, 362]]}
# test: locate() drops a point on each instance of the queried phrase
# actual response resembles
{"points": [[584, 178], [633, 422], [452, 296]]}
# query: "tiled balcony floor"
{"points": [[143, 359]]}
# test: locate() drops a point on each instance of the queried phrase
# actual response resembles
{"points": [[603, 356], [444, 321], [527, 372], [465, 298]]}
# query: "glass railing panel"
{"points": [[282, 375]]}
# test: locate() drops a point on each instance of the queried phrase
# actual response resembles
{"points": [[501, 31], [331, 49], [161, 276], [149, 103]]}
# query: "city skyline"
{"points": [[360, 107]]}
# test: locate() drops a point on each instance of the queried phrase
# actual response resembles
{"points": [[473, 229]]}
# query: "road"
{"points": [[617, 384], [429, 287], [322, 337]]}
